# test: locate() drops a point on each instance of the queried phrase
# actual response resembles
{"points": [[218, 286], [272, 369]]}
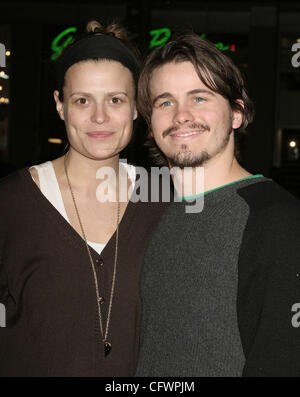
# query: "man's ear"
{"points": [[59, 105], [237, 115]]}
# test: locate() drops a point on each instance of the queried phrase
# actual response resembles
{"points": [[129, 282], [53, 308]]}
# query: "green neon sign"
{"points": [[158, 41], [221, 46], [160, 37], [58, 47]]}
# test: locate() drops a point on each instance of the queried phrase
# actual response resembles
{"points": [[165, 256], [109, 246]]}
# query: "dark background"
{"points": [[261, 33]]}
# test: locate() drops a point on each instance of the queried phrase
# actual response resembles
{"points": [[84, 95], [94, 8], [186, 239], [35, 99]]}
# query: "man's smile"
{"points": [[185, 135]]}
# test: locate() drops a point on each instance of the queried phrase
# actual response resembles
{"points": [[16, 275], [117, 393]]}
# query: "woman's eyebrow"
{"points": [[80, 93], [117, 93]]}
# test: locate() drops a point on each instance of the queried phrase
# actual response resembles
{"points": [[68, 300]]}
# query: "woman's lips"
{"points": [[99, 134]]}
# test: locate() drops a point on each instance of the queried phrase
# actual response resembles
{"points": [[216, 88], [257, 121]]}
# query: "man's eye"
{"points": [[166, 104], [198, 99]]}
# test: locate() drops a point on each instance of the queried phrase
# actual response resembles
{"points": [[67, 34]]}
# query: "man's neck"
{"points": [[215, 176], [194, 181]]}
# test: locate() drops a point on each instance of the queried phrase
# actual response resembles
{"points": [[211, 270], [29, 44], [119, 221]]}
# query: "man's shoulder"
{"points": [[266, 197]]}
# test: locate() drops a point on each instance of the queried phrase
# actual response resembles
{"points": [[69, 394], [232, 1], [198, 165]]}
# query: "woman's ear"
{"points": [[59, 105], [135, 113]]}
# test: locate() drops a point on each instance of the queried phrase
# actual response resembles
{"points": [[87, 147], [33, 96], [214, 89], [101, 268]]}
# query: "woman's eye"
{"points": [[116, 100], [81, 101]]}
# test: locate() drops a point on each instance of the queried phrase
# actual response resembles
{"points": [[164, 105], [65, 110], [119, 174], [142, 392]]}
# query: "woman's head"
{"points": [[97, 77], [99, 43]]}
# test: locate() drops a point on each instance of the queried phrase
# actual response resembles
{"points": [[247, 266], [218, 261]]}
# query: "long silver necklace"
{"points": [[107, 344]]}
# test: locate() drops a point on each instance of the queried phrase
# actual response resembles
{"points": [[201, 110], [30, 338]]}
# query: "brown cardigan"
{"points": [[47, 287]]}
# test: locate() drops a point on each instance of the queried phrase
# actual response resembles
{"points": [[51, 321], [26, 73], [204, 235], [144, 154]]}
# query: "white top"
{"points": [[50, 188]]}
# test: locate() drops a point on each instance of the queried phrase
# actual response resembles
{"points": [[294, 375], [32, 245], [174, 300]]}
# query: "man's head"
{"points": [[192, 97]]}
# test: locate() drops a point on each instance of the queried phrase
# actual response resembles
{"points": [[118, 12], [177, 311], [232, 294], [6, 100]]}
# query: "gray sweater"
{"points": [[218, 287]]}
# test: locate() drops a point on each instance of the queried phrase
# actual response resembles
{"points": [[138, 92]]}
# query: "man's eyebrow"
{"points": [[201, 91], [164, 95]]}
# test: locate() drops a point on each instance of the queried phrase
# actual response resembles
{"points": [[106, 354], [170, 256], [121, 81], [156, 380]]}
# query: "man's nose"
{"points": [[183, 114]]}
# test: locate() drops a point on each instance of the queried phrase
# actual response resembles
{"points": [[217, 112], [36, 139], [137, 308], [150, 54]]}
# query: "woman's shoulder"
{"points": [[23, 180], [34, 174], [14, 184]]}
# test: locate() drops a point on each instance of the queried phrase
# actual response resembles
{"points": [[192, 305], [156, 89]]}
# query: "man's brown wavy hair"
{"points": [[216, 71]]}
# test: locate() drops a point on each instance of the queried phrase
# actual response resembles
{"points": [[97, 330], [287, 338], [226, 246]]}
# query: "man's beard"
{"points": [[186, 158]]}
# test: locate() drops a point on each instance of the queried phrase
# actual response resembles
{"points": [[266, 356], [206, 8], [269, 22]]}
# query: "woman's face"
{"points": [[98, 108]]}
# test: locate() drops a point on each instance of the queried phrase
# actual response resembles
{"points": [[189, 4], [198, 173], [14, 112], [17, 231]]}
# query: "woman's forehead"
{"points": [[102, 74]]}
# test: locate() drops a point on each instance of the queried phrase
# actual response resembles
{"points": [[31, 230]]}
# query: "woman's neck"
{"points": [[83, 171]]}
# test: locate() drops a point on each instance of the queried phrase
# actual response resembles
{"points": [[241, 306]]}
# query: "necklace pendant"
{"points": [[107, 348]]}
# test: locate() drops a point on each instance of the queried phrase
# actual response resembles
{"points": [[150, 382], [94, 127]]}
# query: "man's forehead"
{"points": [[177, 77]]}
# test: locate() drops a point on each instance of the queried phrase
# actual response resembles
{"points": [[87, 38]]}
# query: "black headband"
{"points": [[96, 46]]}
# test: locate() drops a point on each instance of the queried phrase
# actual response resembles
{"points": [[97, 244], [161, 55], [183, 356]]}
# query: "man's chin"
{"points": [[188, 160]]}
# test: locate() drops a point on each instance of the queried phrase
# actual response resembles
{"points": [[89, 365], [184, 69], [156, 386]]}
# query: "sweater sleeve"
{"points": [[268, 302]]}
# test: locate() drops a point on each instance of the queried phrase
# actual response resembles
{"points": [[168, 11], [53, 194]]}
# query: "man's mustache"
{"points": [[193, 126]]}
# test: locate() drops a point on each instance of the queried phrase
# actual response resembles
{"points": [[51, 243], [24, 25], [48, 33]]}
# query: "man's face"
{"points": [[190, 123]]}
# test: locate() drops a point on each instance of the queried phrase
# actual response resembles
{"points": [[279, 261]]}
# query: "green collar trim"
{"points": [[220, 187]]}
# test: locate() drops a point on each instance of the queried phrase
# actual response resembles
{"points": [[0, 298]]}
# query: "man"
{"points": [[220, 288]]}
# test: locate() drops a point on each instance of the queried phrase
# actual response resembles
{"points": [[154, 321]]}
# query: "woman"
{"points": [[70, 263]]}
